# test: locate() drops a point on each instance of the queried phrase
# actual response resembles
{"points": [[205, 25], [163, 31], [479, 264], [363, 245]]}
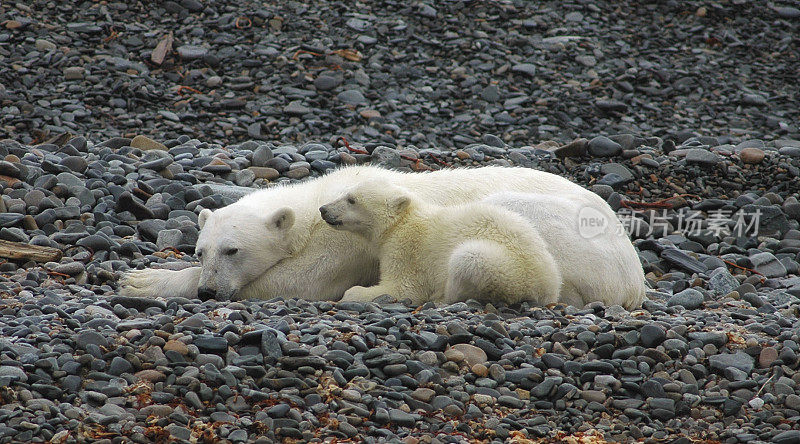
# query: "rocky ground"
{"points": [[123, 120], [430, 74]]}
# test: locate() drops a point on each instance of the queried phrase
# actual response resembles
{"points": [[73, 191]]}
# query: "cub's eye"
{"points": [[199, 254], [231, 251], [351, 200]]}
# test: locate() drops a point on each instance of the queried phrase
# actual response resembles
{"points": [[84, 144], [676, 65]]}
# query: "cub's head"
{"points": [[235, 248], [367, 209]]}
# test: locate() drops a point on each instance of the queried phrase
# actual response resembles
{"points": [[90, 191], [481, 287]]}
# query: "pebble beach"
{"points": [[119, 122]]}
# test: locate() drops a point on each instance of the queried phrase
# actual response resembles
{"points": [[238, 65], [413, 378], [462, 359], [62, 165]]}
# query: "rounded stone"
{"points": [[751, 155], [352, 97], [602, 146]]}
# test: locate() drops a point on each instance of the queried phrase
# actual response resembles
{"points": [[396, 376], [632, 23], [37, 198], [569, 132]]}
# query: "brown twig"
{"points": [[303, 51], [663, 203], [351, 149], [182, 88], [744, 268], [439, 161], [57, 274], [112, 35], [240, 26]]}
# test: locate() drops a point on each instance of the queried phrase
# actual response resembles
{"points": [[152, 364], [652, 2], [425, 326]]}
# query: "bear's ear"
{"points": [[400, 202], [201, 219], [282, 219]]}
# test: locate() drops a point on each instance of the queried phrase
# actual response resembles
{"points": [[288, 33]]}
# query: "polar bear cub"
{"points": [[445, 254]]}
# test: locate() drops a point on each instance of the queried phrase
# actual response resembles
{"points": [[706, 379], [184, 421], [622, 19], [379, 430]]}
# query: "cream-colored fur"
{"points": [[445, 254], [595, 265], [311, 260]]}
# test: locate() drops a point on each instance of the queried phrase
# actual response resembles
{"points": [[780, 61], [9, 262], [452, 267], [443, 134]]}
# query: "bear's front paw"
{"points": [[358, 293], [134, 279]]}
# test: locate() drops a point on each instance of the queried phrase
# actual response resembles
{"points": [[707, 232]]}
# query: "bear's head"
{"points": [[368, 209], [236, 247]]}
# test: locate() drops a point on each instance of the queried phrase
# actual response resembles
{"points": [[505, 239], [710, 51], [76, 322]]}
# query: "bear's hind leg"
{"points": [[487, 270], [571, 296]]}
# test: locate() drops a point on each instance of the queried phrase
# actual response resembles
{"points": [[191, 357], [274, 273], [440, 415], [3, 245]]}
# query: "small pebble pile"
{"points": [[121, 121]]}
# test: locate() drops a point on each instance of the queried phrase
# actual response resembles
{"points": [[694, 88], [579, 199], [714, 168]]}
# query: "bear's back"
{"points": [[477, 220]]}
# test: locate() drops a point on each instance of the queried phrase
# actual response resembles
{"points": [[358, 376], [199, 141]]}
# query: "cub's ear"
{"points": [[400, 202], [282, 219], [201, 219]]}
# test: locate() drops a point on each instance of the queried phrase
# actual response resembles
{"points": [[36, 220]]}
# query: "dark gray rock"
{"points": [[652, 335], [527, 69], [768, 265], [352, 97], [739, 360], [602, 146], [683, 260], [722, 282], [119, 366], [89, 337], [702, 157], [690, 299]]}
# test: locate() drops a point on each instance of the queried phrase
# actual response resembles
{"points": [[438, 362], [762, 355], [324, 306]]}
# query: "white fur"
{"points": [[446, 254], [313, 261], [595, 265], [161, 282]]}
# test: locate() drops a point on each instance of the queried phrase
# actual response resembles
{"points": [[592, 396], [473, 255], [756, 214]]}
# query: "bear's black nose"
{"points": [[205, 293], [326, 215]]}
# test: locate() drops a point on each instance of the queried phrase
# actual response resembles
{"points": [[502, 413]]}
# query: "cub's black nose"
{"points": [[204, 293], [327, 216]]}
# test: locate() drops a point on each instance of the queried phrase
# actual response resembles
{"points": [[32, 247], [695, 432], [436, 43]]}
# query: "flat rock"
{"points": [[91, 337], [739, 360], [576, 148], [702, 157], [528, 69], [352, 97], [683, 260], [145, 143], [767, 264]]}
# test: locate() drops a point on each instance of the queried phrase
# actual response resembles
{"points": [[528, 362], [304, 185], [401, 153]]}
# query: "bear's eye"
{"points": [[231, 251], [351, 200], [199, 254]]}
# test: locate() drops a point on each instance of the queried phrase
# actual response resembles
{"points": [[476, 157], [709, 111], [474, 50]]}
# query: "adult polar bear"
{"points": [[273, 242]]}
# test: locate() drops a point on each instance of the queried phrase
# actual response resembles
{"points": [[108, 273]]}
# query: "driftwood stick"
{"points": [[17, 251]]}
